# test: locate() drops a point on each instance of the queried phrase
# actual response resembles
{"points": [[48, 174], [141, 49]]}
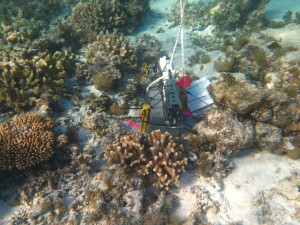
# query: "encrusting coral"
{"points": [[157, 156], [25, 141]]}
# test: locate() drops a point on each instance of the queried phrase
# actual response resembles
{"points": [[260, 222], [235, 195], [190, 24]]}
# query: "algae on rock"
{"points": [[237, 94]]}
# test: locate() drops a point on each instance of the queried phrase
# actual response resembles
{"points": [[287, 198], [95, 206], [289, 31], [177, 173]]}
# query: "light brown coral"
{"points": [[91, 17], [26, 73], [25, 141], [114, 44], [157, 156]]}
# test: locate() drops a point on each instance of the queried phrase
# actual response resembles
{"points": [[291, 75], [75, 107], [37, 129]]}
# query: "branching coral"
{"points": [[26, 73], [114, 44], [30, 17], [89, 18], [105, 59], [157, 156], [224, 14], [25, 141]]}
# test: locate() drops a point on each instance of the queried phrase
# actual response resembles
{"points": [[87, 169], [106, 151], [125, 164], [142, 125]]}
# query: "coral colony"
{"points": [[158, 156], [149, 112], [25, 141]]}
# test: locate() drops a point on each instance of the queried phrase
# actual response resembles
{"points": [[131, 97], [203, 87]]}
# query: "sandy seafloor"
{"points": [[263, 187]]}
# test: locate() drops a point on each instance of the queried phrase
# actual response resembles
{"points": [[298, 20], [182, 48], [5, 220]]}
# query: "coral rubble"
{"points": [[25, 141], [157, 156]]}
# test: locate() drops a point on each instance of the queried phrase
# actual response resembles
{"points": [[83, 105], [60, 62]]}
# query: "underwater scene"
{"points": [[149, 112]]}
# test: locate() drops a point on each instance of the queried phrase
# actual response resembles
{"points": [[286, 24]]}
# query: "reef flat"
{"points": [[73, 75]]}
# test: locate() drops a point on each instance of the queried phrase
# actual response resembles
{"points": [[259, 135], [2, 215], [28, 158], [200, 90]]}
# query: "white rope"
{"points": [[182, 47], [180, 35]]}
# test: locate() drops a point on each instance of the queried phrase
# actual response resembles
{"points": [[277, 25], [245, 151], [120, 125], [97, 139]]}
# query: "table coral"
{"points": [[157, 156], [25, 141]]}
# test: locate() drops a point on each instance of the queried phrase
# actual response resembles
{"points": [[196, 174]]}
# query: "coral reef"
{"points": [[156, 156], [270, 110], [192, 11], [224, 64], [269, 137], [117, 110], [224, 14], [89, 18], [25, 141], [106, 60], [147, 48], [30, 17], [113, 44], [208, 161], [226, 132], [199, 57], [27, 73], [103, 68], [235, 93], [98, 104]]}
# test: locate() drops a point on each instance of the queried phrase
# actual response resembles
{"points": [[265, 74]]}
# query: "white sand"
{"points": [[254, 186]]}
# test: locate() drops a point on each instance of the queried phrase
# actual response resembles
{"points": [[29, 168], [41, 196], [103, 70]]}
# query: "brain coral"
{"points": [[89, 18], [25, 141], [156, 156]]}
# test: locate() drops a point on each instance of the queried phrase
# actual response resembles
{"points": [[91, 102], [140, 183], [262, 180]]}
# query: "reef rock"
{"points": [[235, 93], [289, 147], [226, 132], [224, 64], [268, 136]]}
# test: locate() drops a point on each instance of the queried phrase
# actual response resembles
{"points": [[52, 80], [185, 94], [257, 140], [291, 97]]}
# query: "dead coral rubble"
{"points": [[157, 156], [25, 141]]}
